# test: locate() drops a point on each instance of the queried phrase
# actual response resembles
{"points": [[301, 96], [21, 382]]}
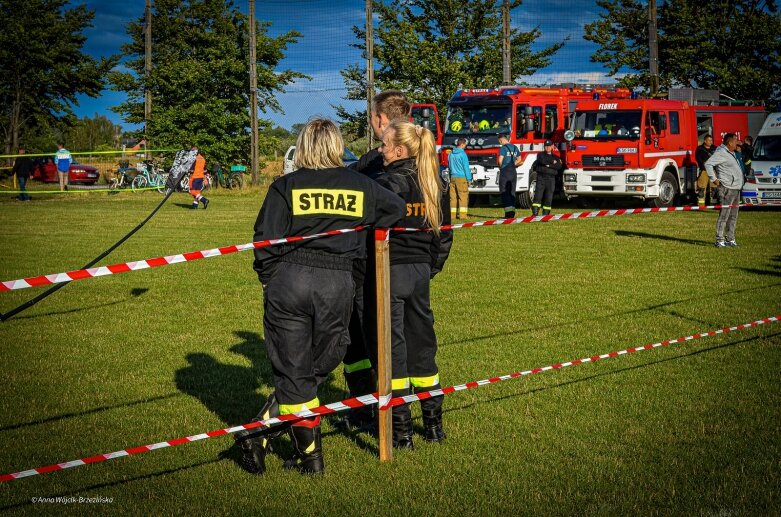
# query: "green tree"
{"points": [[431, 48], [732, 46], [200, 77], [87, 134], [42, 66]]}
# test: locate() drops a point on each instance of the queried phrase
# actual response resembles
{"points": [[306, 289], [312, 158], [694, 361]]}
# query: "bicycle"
{"points": [[126, 177], [148, 176], [234, 179], [184, 183]]}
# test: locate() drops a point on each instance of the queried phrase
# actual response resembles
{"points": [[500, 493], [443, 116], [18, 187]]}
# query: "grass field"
{"points": [[115, 362]]}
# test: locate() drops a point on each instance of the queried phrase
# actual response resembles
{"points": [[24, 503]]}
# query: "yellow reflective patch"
{"points": [[424, 382], [289, 409], [327, 201], [400, 384]]}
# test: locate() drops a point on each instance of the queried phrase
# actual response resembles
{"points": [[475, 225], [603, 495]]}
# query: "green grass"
{"points": [[137, 358]]}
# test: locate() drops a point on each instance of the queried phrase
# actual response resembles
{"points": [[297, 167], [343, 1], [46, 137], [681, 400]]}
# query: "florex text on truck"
{"points": [[645, 148], [528, 115]]}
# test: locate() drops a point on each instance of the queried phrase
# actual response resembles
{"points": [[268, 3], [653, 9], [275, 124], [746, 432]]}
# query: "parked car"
{"points": [[46, 171], [287, 165]]}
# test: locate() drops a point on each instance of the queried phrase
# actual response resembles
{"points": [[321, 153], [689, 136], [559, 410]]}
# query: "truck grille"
{"points": [[486, 160], [610, 160]]}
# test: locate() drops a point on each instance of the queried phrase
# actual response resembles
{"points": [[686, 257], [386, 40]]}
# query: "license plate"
{"points": [[771, 195]]}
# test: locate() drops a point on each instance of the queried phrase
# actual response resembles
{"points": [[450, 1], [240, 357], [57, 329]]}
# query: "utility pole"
{"points": [[653, 48], [253, 93], [506, 67], [147, 74], [369, 72]]}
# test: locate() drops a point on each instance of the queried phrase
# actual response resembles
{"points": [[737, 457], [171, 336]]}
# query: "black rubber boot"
{"points": [[256, 443], [362, 419], [509, 215], [545, 212], [432, 416], [402, 427], [309, 450], [535, 211], [205, 202]]}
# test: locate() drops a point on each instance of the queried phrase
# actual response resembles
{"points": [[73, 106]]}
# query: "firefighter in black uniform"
{"points": [[412, 171], [308, 286], [360, 360], [547, 166]]}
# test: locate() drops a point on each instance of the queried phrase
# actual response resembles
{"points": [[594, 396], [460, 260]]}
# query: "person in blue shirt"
{"points": [[508, 158], [63, 160], [460, 178]]}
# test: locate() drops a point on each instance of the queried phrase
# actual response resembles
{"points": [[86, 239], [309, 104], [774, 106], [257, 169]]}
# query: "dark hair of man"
{"points": [[461, 141], [729, 137], [392, 103]]}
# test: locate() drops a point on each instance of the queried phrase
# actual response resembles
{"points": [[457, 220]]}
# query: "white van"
{"points": [[765, 187], [287, 164]]}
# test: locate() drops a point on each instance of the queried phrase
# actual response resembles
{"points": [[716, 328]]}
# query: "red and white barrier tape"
{"points": [[366, 400], [113, 269]]}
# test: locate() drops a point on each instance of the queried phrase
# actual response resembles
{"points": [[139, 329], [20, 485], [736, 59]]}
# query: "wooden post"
{"points": [[382, 261], [653, 48], [506, 57], [147, 75], [253, 92]]}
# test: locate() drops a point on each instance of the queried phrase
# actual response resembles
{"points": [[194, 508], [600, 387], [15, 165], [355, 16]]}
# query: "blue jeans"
{"points": [[23, 188]]}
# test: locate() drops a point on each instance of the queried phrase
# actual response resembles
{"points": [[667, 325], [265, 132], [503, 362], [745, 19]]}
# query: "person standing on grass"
{"points": [[308, 286], [460, 178], [508, 177], [197, 181], [547, 166], [360, 360], [63, 160], [412, 171], [702, 153], [725, 170], [23, 168]]}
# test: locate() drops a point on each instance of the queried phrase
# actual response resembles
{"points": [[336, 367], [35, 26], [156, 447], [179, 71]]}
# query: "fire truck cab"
{"points": [[426, 115], [645, 148], [528, 115]]}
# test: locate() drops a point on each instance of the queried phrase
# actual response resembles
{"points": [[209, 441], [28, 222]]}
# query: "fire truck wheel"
{"points": [[525, 199], [668, 189]]}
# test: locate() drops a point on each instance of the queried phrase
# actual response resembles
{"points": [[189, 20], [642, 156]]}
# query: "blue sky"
{"points": [[325, 48]]}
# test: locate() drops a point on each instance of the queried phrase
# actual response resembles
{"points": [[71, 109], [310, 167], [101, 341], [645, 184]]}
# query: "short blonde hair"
{"points": [[319, 145]]}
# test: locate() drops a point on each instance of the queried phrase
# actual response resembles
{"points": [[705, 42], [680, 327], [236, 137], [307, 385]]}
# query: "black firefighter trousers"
{"points": [[306, 314]]}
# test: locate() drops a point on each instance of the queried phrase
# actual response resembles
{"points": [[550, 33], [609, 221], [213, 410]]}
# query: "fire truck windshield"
{"points": [[600, 125], [476, 117]]}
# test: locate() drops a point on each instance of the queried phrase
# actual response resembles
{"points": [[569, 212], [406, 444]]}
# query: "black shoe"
{"points": [[431, 409], [194, 206], [509, 215], [308, 446], [254, 451], [205, 203], [402, 427]]}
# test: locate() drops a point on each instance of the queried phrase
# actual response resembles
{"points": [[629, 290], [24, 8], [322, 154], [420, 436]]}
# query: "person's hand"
{"points": [[716, 182]]}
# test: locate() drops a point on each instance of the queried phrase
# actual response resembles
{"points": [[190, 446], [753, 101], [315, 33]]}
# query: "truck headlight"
{"points": [[569, 178], [635, 178]]}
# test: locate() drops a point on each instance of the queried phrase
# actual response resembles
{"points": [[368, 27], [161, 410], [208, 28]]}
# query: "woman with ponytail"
{"points": [[412, 171]]}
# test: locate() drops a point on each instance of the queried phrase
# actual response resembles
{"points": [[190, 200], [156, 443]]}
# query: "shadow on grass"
{"points": [[763, 272], [643, 235], [185, 205], [92, 411], [230, 391], [134, 293], [605, 317], [109, 484], [613, 372]]}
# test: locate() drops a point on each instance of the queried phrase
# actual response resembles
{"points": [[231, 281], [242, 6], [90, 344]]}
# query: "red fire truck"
{"points": [[645, 148], [528, 115]]}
